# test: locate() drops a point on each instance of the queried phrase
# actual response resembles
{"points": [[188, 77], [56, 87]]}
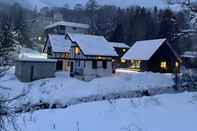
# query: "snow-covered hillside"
{"points": [[64, 90], [175, 112]]}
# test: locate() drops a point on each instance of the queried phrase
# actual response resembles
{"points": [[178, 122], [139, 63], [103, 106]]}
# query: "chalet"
{"points": [[57, 47], [121, 49], [62, 26], [153, 55], [91, 56]]}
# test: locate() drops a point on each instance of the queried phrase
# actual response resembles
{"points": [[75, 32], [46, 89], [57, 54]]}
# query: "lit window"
{"points": [[99, 58], [123, 61], [124, 50], [77, 50], [135, 64], [163, 65]]}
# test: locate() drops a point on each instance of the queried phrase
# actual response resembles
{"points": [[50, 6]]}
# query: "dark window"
{"points": [[94, 64], [84, 64], [62, 28], [105, 64], [59, 65], [74, 28], [49, 50]]}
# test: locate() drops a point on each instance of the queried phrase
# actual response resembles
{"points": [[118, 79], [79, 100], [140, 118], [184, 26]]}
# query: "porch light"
{"points": [[177, 64]]}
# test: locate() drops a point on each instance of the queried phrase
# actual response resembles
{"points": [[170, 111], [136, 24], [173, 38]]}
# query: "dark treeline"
{"points": [[116, 24], [129, 25]]}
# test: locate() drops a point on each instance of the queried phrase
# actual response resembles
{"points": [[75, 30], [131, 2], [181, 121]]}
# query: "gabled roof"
{"points": [[92, 45], [68, 24], [119, 45], [143, 50], [59, 43]]}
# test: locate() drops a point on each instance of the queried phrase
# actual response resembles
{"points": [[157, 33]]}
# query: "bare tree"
{"points": [[7, 117]]}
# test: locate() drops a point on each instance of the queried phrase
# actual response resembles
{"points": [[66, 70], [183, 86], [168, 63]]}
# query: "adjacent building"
{"points": [[57, 47], [61, 27], [30, 69], [153, 55], [121, 49], [91, 56]]}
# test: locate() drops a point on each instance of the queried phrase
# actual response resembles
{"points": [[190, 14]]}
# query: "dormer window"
{"points": [[77, 50]]}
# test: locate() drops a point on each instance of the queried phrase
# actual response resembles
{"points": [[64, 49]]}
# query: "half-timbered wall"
{"points": [[83, 65]]}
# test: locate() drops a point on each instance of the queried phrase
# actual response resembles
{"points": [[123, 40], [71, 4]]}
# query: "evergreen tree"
{"points": [[91, 8], [8, 41], [117, 34], [19, 24]]}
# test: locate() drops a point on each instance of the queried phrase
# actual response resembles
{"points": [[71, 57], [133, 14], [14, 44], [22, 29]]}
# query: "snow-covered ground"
{"points": [[175, 112], [63, 89]]}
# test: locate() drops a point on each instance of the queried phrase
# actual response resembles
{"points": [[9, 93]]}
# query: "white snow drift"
{"points": [[159, 113], [62, 89]]}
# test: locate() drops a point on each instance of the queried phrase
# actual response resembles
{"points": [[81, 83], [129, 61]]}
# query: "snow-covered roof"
{"points": [[93, 45], [119, 45], [59, 43], [68, 24], [29, 53], [143, 50], [36, 60]]}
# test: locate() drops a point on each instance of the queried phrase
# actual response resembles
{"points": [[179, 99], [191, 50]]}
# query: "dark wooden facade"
{"points": [[164, 60], [117, 62]]}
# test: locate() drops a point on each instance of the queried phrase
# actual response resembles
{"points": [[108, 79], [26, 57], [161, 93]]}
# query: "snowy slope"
{"points": [[175, 112], [63, 90]]}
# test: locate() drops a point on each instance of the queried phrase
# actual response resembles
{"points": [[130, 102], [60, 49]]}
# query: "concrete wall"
{"points": [[27, 71]]}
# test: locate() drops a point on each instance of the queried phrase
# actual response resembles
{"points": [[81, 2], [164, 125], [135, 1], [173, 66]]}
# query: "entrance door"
{"points": [[32, 73], [71, 67], [59, 65]]}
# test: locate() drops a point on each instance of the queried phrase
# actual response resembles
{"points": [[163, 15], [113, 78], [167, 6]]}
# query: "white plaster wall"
{"points": [[90, 73], [66, 66]]}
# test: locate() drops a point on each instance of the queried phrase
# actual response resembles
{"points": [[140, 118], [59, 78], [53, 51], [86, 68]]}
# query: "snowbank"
{"points": [[158, 113], [62, 89]]}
